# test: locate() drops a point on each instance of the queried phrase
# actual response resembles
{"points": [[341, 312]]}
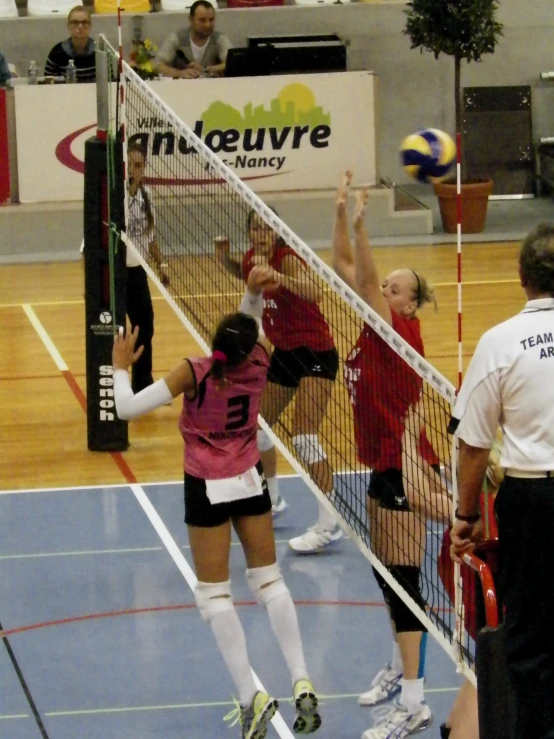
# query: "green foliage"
{"points": [[464, 29]]}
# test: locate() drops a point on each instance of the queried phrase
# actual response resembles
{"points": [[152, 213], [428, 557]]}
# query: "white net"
{"points": [[194, 200]]}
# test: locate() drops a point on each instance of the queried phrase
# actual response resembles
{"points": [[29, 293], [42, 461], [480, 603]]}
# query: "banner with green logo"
{"points": [[294, 132]]}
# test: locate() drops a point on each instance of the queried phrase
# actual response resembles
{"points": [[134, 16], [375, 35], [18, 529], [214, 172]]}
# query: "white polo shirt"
{"points": [[138, 229], [510, 382]]}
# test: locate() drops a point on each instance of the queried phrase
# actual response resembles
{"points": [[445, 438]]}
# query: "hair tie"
{"points": [[219, 356]]}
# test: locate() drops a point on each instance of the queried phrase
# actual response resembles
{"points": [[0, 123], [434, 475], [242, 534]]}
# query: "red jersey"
{"points": [[382, 388], [289, 321], [219, 425]]}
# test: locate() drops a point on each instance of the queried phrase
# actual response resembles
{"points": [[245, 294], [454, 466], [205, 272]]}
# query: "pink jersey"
{"points": [[219, 426]]}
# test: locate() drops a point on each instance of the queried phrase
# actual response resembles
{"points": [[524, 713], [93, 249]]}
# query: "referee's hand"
{"points": [[464, 538]]}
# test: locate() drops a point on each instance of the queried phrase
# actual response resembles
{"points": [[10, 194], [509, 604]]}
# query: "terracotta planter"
{"points": [[475, 199]]}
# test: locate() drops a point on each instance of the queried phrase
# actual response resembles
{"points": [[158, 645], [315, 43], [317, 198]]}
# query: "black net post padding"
{"points": [[103, 202], [497, 716]]}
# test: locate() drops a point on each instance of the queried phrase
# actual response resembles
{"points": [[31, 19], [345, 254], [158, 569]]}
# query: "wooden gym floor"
{"points": [[43, 425]]}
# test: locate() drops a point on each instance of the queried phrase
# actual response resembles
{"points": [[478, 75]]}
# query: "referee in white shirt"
{"points": [[510, 382], [141, 229]]}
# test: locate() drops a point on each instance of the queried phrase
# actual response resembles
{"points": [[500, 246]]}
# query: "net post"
{"points": [[103, 222]]}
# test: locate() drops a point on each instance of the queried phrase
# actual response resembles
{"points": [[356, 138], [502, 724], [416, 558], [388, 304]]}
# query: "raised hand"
{"points": [[222, 248], [362, 197], [342, 192], [123, 353], [262, 278]]}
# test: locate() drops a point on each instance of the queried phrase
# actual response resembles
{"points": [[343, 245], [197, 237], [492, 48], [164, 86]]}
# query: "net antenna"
{"points": [[194, 198]]}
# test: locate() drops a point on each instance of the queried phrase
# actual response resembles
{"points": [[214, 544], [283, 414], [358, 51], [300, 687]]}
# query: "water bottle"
{"points": [[71, 72], [32, 73]]}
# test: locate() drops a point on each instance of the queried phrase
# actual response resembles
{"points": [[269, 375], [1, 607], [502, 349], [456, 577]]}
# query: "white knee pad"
{"points": [[308, 448], [260, 576], [264, 441], [213, 598]]}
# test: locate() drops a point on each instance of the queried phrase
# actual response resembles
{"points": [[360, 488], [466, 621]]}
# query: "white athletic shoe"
{"points": [[279, 508], [385, 686], [315, 540], [399, 723]]}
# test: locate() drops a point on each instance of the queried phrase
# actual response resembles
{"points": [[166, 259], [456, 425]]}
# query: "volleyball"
{"points": [[428, 155]]}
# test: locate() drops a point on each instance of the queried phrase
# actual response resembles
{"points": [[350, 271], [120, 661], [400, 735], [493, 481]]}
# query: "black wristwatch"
{"points": [[467, 519]]}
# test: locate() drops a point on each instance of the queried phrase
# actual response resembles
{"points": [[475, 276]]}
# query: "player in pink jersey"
{"points": [[384, 391], [224, 485], [304, 366]]}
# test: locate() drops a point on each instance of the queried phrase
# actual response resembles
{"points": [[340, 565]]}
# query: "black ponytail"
{"points": [[234, 339]]}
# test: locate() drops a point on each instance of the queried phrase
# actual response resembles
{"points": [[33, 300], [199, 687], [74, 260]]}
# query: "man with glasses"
{"points": [[78, 47]]}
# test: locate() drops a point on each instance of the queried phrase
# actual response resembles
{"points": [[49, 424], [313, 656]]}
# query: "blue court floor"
{"points": [[119, 650]]}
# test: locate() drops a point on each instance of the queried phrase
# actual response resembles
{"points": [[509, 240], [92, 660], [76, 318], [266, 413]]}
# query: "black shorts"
{"points": [[388, 489], [200, 512], [289, 366]]}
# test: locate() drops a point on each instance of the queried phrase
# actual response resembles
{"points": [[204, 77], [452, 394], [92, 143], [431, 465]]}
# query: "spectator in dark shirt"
{"points": [[78, 47]]}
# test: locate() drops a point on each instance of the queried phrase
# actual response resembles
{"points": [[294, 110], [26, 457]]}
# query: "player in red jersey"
{"points": [[224, 485], [304, 366], [382, 389]]}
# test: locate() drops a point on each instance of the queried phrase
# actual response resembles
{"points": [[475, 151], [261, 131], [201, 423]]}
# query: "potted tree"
{"points": [[465, 30]]}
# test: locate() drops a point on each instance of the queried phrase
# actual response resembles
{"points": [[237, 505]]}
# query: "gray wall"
{"points": [[414, 89]]}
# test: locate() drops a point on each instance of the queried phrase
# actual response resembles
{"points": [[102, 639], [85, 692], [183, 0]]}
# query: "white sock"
{"points": [[396, 662], [412, 694], [284, 622], [231, 641], [273, 485], [325, 520]]}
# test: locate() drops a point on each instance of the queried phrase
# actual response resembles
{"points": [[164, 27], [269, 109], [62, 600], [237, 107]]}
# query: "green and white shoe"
{"points": [[307, 718], [255, 718]]}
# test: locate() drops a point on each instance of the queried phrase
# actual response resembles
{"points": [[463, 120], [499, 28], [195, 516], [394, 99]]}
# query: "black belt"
{"points": [[529, 474]]}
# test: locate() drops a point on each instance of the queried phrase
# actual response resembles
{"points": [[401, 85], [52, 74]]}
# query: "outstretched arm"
{"points": [[298, 279], [368, 285], [129, 405], [342, 259]]}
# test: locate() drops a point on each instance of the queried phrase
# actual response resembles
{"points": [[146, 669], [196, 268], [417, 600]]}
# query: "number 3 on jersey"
{"points": [[238, 409]]}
